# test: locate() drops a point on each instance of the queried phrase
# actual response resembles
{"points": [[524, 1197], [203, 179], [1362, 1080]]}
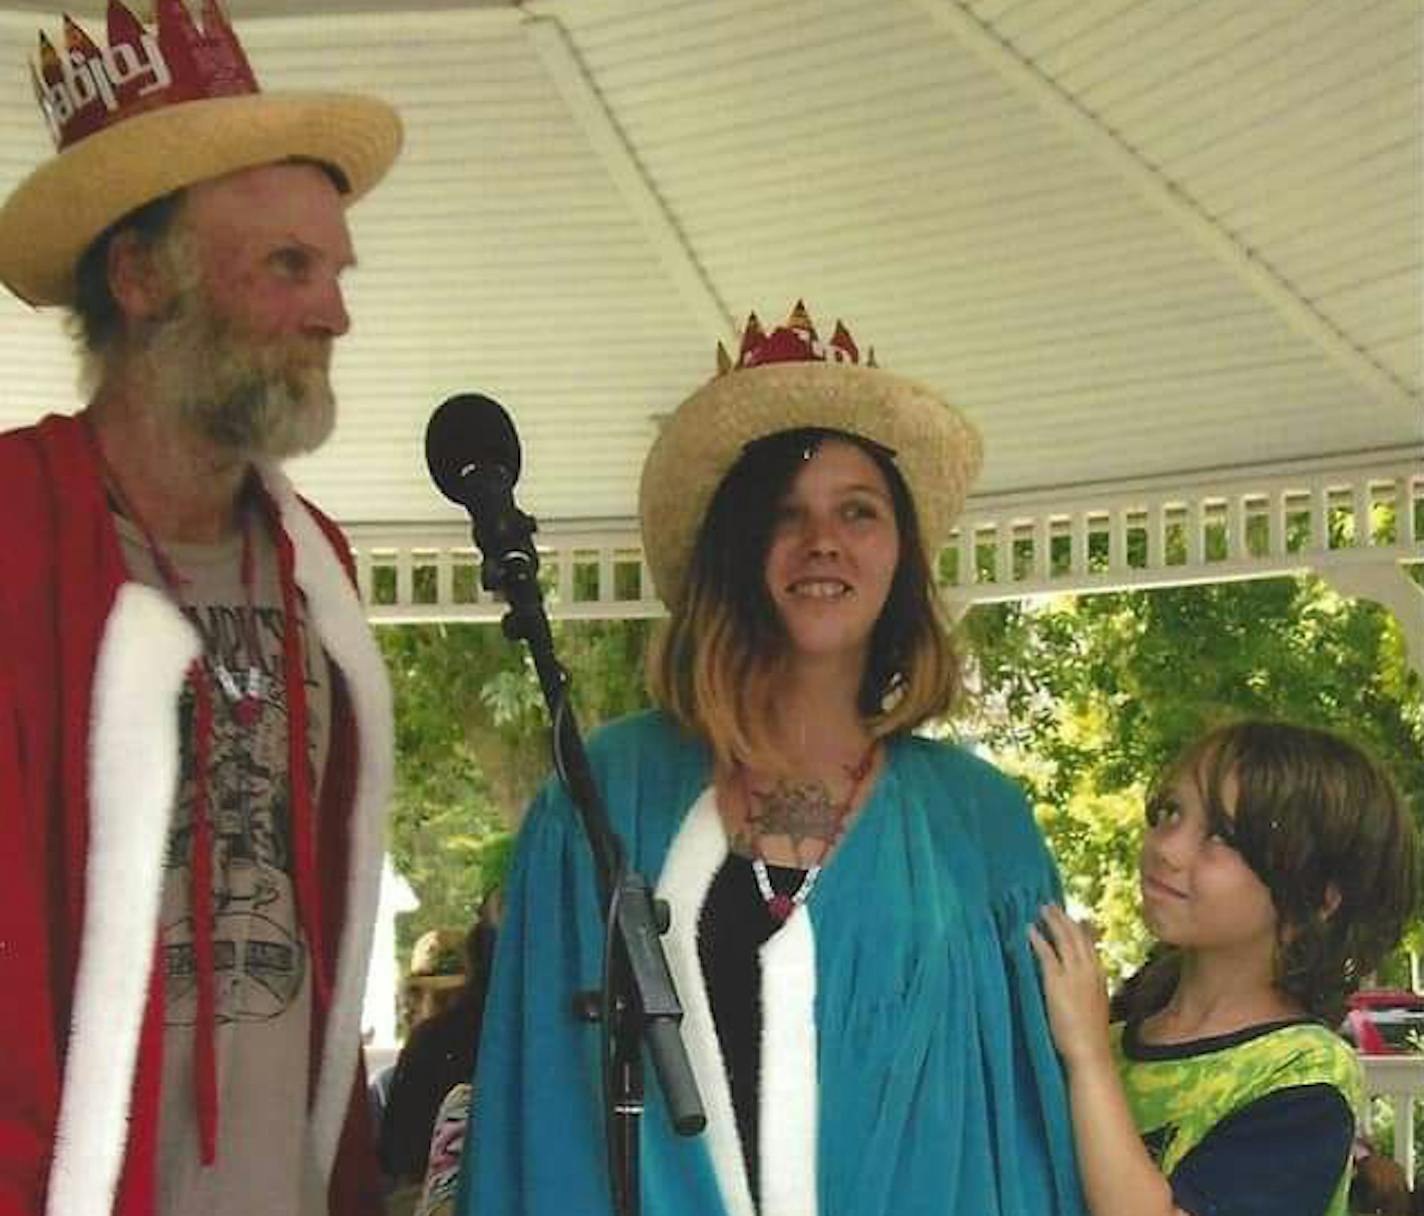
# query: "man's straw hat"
{"points": [[154, 111]]}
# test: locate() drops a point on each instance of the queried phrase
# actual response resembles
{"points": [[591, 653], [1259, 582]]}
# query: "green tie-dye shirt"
{"points": [[1176, 1101]]}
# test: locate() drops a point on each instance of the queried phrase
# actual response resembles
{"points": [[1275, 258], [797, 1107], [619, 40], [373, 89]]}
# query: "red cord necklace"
{"points": [[245, 699]]}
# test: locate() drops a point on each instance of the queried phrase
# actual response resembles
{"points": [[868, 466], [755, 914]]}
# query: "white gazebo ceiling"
{"points": [[1130, 238]]}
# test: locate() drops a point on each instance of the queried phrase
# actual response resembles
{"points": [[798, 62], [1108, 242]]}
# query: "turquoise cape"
{"points": [[907, 1065]]}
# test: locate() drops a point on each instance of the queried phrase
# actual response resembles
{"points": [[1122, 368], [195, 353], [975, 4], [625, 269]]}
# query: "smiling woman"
{"points": [[849, 903], [808, 571], [835, 544]]}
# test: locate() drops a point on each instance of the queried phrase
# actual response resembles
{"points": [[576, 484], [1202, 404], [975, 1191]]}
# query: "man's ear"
{"points": [[138, 283], [1331, 901]]}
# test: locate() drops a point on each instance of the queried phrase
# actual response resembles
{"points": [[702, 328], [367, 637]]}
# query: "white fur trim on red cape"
{"points": [[143, 659], [340, 622], [134, 765]]}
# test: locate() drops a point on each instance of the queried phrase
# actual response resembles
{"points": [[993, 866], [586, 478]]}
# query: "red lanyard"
{"points": [[246, 708], [244, 696]]}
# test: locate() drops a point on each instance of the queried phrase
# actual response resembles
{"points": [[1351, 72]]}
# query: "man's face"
{"points": [[243, 353]]}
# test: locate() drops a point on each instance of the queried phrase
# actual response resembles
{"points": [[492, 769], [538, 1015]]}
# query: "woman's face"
{"points": [[833, 551]]}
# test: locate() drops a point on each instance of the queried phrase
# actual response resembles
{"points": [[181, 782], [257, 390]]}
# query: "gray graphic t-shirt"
{"points": [[262, 967]]}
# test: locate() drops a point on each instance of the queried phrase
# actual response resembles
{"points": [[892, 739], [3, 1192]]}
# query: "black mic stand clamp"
{"points": [[510, 567], [638, 1002]]}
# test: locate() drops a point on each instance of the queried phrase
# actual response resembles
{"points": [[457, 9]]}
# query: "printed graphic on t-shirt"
{"points": [[259, 955], [1158, 1141]]}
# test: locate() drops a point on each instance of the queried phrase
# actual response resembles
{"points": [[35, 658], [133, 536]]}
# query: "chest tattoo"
{"points": [[802, 811]]}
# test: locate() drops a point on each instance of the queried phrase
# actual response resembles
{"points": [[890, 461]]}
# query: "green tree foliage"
{"points": [[472, 747], [1087, 699]]}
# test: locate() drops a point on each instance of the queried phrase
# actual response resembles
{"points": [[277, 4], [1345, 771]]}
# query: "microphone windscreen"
{"points": [[465, 432]]}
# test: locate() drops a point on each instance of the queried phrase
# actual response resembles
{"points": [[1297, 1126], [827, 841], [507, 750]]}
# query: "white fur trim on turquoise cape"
{"points": [[908, 1051]]}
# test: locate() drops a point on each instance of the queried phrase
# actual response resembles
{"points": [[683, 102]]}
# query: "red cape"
{"points": [[90, 670]]}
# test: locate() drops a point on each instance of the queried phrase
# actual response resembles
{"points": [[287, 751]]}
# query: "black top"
{"points": [[438, 1055], [734, 925], [1281, 1155]]}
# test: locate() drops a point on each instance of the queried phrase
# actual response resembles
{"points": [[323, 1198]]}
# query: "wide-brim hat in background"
{"points": [[787, 380], [438, 959], [206, 123]]}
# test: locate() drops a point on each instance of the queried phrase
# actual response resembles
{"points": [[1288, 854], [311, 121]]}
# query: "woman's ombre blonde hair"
{"points": [[715, 663]]}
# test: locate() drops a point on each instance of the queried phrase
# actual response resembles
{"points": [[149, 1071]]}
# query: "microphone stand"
{"points": [[638, 1001]]}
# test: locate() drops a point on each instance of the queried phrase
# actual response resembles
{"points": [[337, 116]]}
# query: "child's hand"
{"points": [[1074, 988]]}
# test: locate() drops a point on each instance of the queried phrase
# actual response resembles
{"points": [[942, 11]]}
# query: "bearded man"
{"points": [[194, 722]]}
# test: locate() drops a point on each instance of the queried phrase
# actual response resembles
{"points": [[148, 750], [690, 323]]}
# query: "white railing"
{"points": [[1398, 1081], [1153, 535], [1224, 526], [425, 573]]}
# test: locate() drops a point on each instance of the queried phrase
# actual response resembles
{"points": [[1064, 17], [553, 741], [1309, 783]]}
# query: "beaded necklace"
{"points": [[245, 695], [782, 906]]}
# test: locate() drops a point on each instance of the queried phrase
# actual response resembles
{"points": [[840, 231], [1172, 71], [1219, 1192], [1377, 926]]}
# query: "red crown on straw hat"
{"points": [[794, 342], [89, 87]]}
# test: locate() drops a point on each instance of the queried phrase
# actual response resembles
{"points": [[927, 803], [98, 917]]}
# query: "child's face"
{"points": [[1197, 890]]}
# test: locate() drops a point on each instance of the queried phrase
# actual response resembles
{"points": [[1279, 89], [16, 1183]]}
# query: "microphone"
{"points": [[472, 451]]}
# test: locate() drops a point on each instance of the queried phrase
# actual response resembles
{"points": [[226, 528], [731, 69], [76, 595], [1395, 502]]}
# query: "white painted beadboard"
{"points": [[1130, 238]]}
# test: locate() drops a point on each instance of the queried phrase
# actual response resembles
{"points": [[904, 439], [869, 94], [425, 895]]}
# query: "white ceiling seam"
{"points": [[742, 65], [629, 51], [586, 106], [1169, 199], [1055, 23], [896, 181]]}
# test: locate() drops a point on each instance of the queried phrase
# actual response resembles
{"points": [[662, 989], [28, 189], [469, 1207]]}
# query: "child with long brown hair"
{"points": [[1278, 868]]}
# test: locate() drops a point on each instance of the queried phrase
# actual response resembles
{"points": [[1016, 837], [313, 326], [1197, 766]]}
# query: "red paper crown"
{"points": [[794, 342], [89, 87]]}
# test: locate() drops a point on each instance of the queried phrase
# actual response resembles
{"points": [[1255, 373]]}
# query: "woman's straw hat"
{"points": [[783, 381], [157, 110]]}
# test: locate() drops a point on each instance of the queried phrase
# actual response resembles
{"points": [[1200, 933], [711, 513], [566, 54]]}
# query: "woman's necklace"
{"points": [[782, 906]]}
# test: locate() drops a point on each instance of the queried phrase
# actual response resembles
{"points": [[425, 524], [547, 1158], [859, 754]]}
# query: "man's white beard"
{"points": [[256, 399]]}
